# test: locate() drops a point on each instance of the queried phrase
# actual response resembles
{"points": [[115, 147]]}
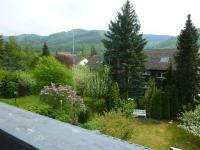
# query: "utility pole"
{"points": [[73, 40]]}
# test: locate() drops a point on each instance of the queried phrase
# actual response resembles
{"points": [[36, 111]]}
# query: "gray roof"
{"points": [[154, 57], [48, 134], [95, 60], [152, 61]]}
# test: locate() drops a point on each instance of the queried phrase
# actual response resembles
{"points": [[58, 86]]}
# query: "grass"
{"points": [[23, 102], [150, 133], [162, 135]]}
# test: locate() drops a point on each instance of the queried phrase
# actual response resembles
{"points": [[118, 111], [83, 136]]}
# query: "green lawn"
{"points": [[23, 102], [162, 135], [149, 133]]}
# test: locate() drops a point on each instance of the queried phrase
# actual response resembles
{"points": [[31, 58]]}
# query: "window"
{"points": [[164, 59]]}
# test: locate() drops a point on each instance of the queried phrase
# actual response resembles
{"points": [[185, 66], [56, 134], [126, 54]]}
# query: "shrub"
{"points": [[92, 83], [113, 101], [191, 121], [50, 71], [84, 116], [116, 124], [48, 111], [21, 82], [91, 124], [148, 96], [128, 107], [157, 105], [96, 105], [64, 98]]}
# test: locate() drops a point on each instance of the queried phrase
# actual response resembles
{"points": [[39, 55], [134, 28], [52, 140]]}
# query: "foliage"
{"points": [[147, 132], [10, 55], [48, 111], [128, 107], [187, 60], [93, 83], [50, 71], [64, 98], [114, 101], [93, 51], [91, 124], [84, 116], [45, 50], [65, 59], [124, 52], [148, 96], [157, 105], [14, 56], [191, 121], [95, 105], [19, 81], [117, 125]]}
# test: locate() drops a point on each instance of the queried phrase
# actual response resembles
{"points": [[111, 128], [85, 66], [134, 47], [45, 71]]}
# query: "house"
{"points": [[95, 60], [156, 62], [69, 60]]}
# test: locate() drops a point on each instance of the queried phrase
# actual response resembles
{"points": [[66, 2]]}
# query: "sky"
{"points": [[44, 17]]}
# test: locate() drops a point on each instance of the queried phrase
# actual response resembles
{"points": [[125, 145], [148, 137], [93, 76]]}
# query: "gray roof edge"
{"points": [[40, 132]]}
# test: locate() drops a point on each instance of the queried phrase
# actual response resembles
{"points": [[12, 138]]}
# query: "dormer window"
{"points": [[164, 59]]}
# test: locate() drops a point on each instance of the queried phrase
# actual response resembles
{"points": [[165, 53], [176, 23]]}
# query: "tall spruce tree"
{"points": [[124, 52], [45, 50], [187, 77]]}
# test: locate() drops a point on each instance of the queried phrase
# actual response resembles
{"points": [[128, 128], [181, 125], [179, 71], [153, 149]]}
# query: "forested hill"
{"points": [[84, 39]]}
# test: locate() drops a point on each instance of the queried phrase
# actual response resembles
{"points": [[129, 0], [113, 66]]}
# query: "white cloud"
{"points": [[49, 16]]}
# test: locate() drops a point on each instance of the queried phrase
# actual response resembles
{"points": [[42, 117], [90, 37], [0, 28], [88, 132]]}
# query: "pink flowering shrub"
{"points": [[63, 97]]}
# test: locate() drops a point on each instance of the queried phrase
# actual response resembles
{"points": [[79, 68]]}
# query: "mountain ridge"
{"points": [[62, 41]]}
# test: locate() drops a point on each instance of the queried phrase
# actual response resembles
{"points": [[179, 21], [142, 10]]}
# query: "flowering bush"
{"points": [[65, 98], [191, 121]]}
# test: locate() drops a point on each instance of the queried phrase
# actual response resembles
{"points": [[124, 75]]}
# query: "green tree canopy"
{"points": [[124, 52], [187, 59], [45, 50]]}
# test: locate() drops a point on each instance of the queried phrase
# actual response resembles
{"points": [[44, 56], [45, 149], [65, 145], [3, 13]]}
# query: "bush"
{"points": [[48, 111], [91, 125], [148, 96], [21, 82], [191, 121], [114, 101], [117, 125], [49, 70], [96, 105], [84, 116], [92, 83], [63, 98], [157, 105], [128, 107]]}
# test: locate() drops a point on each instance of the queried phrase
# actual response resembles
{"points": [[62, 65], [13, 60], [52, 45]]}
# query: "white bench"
{"points": [[140, 112]]}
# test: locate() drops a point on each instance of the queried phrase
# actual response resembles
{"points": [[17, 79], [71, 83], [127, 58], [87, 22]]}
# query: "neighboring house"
{"points": [[68, 60], [95, 60], [83, 62], [156, 63]]}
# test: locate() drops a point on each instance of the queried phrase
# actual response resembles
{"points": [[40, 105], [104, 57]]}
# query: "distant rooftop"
{"points": [[156, 59], [34, 131]]}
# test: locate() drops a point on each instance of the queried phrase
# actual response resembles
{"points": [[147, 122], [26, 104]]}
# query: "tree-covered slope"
{"points": [[62, 41]]}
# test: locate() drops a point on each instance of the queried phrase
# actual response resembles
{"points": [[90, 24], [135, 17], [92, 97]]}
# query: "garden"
{"points": [[104, 98]]}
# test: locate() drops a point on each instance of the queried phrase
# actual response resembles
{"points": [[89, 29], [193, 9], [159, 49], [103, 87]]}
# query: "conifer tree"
{"points": [[124, 52], [45, 50], [187, 78], [93, 51]]}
